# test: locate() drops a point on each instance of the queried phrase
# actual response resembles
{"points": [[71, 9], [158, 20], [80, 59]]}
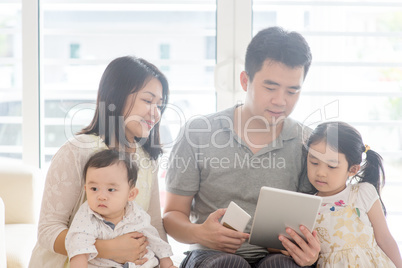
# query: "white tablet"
{"points": [[278, 209]]}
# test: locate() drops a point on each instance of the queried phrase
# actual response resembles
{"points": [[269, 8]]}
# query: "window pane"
{"points": [[11, 79], [79, 38], [355, 75]]}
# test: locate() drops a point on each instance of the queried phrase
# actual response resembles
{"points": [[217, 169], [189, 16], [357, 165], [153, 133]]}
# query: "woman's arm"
{"points": [[62, 190], [382, 234], [60, 244]]}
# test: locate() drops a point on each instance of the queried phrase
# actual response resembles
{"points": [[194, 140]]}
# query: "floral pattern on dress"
{"points": [[335, 206], [346, 241]]}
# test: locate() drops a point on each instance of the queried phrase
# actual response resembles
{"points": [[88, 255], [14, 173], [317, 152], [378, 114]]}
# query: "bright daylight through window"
{"points": [[355, 76]]}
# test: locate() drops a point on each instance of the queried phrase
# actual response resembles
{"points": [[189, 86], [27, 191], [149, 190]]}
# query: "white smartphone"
{"points": [[235, 218]]}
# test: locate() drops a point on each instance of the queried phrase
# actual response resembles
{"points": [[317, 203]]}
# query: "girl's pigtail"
{"points": [[372, 171]]}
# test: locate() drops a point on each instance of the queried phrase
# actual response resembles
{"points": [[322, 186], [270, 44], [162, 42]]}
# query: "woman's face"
{"points": [[142, 110]]}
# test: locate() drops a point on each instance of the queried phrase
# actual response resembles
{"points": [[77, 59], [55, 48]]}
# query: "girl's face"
{"points": [[327, 169], [142, 110]]}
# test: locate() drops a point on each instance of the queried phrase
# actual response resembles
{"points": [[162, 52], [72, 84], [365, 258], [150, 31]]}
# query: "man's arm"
{"points": [[210, 233]]}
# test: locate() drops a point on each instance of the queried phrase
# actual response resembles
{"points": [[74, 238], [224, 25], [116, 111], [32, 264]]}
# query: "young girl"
{"points": [[351, 224]]}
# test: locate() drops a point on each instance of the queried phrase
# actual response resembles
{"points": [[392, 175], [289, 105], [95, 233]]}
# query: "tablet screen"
{"points": [[278, 209]]}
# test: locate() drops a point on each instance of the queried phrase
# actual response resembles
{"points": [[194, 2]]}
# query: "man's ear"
{"points": [[353, 170], [133, 193], [244, 80]]}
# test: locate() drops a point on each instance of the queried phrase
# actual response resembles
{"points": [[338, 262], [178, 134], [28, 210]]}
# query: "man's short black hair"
{"points": [[276, 44]]}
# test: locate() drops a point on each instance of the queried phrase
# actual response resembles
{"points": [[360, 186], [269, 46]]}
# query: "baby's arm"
{"points": [[79, 261], [382, 234], [166, 263], [158, 246]]}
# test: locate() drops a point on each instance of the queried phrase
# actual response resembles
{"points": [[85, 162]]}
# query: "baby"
{"points": [[110, 211]]}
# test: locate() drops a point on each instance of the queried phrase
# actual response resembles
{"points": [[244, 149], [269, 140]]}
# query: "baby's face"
{"points": [[108, 191]]}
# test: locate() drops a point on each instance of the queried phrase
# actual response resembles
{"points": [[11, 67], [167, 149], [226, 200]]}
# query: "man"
{"points": [[230, 155]]}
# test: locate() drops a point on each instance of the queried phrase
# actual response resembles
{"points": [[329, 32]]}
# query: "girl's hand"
{"points": [[274, 250], [304, 253], [130, 247]]}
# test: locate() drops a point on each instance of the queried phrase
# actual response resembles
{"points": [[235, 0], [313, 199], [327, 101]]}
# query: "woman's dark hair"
{"points": [[122, 77], [107, 158], [345, 139], [289, 48]]}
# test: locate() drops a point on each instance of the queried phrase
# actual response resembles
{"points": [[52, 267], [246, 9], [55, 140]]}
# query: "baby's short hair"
{"points": [[107, 158]]}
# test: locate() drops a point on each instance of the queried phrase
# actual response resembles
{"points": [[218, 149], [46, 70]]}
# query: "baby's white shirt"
{"points": [[88, 226]]}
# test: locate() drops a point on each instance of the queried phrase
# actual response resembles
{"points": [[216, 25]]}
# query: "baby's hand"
{"points": [[167, 263]]}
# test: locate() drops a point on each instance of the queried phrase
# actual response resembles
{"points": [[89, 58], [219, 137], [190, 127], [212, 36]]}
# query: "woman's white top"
{"points": [[64, 193]]}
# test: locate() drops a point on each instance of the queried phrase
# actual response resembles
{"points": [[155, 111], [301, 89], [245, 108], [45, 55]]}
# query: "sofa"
{"points": [[20, 190], [3, 260]]}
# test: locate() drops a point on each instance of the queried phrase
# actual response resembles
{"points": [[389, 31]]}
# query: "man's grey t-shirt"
{"points": [[212, 163]]}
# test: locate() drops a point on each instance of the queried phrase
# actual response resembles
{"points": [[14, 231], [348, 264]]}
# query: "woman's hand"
{"points": [[130, 247]]}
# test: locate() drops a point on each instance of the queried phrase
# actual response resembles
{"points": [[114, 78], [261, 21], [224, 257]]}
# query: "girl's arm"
{"points": [[382, 235], [79, 261]]}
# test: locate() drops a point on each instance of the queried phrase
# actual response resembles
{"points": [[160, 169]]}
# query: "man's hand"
{"points": [[303, 253], [211, 233], [214, 235]]}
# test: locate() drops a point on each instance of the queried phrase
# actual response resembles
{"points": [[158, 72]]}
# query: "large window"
{"points": [[79, 39], [10, 79], [355, 76], [200, 45]]}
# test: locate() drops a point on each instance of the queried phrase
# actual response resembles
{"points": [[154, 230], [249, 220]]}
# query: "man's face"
{"points": [[273, 93]]}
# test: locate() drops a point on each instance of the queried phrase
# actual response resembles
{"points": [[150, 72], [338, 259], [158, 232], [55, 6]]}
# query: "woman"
{"points": [[132, 96]]}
